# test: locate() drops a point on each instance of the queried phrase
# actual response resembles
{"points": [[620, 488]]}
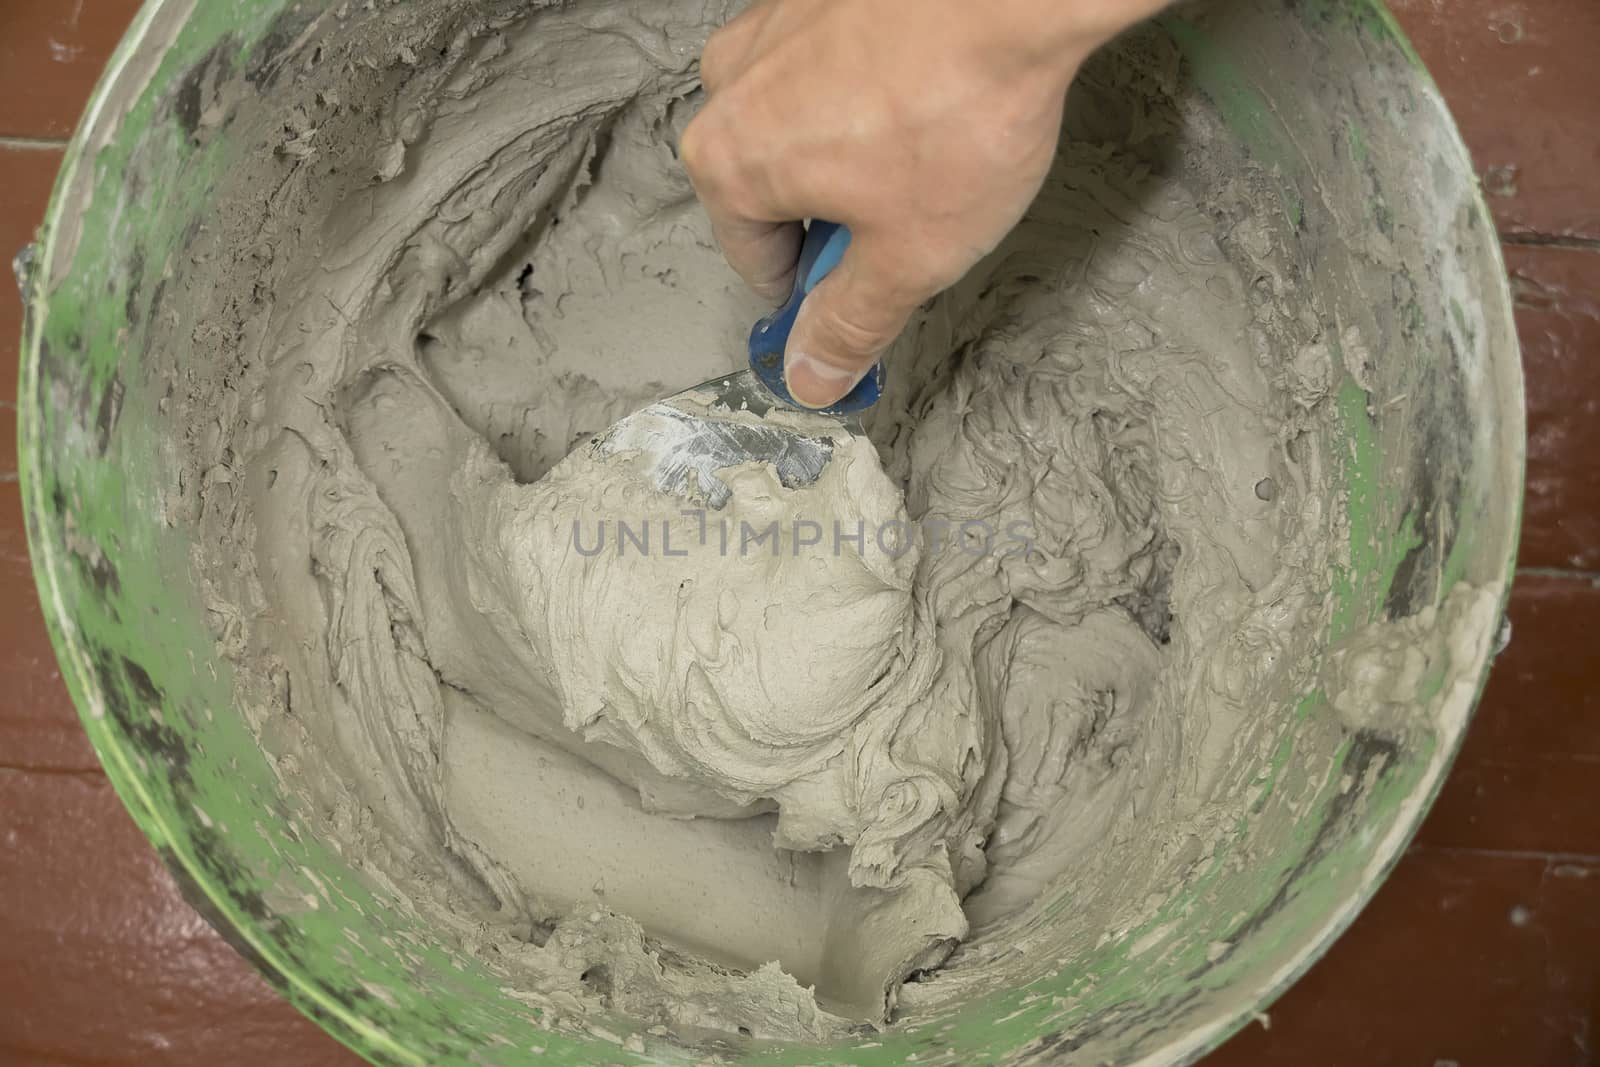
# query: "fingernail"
{"points": [[815, 384]]}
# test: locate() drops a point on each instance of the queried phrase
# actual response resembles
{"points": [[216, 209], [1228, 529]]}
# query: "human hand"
{"points": [[926, 126]]}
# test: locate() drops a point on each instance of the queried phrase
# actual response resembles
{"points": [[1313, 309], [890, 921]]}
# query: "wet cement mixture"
{"points": [[793, 790]]}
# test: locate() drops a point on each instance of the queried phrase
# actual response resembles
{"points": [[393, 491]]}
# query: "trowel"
{"points": [[690, 436]]}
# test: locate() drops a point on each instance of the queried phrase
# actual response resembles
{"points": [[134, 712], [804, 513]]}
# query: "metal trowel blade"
{"points": [[689, 438]]}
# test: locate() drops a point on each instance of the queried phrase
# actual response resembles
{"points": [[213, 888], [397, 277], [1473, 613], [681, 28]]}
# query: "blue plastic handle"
{"points": [[824, 247]]}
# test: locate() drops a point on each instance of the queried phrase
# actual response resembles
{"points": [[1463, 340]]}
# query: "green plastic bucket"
{"points": [[1324, 96]]}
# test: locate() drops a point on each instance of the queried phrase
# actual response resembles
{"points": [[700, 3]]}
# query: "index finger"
{"points": [[764, 254]]}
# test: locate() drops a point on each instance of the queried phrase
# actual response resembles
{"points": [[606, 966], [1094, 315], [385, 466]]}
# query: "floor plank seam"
{"points": [[1574, 573], [33, 144], [54, 772], [1540, 855], [1551, 240]]}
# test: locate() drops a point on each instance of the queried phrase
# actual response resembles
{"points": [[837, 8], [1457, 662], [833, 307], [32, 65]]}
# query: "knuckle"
{"points": [[768, 277], [697, 148], [719, 163], [936, 277], [714, 62], [857, 332], [939, 262]]}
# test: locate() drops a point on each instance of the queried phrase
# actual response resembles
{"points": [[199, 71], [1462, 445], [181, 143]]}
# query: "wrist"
{"points": [[1058, 35]]}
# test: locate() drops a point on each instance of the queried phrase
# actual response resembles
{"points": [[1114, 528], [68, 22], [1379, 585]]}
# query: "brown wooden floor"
{"points": [[1483, 950]]}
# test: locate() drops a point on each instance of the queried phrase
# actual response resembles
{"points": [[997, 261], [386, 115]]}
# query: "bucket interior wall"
{"points": [[1324, 98]]}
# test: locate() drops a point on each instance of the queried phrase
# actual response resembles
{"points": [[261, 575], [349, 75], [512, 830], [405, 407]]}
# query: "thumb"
{"points": [[843, 327]]}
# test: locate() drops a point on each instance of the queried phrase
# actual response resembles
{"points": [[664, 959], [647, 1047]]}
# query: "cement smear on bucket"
{"points": [[741, 787]]}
